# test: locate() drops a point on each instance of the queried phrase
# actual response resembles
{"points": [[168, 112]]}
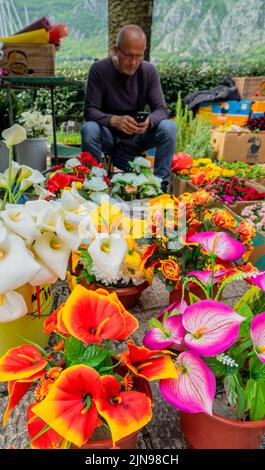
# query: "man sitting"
{"points": [[114, 87]]}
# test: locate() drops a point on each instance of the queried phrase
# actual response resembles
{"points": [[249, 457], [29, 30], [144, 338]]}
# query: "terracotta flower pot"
{"points": [[175, 295], [203, 431], [128, 442], [127, 295]]}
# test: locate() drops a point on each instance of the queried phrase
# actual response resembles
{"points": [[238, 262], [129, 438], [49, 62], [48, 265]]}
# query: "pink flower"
{"points": [[257, 331], [220, 244], [171, 332]]}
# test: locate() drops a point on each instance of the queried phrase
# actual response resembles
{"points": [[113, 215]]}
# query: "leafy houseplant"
{"points": [[81, 386], [222, 354]]}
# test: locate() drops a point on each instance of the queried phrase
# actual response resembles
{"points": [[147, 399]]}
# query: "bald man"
{"points": [[112, 101]]}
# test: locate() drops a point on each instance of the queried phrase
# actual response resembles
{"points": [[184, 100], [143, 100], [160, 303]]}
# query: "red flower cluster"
{"points": [[233, 190]]}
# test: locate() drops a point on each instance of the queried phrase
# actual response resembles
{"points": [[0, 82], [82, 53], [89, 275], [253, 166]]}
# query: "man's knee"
{"points": [[90, 131], [167, 129]]}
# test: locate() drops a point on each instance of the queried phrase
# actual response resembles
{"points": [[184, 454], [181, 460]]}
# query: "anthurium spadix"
{"points": [[221, 244], [53, 252], [17, 265], [19, 221], [107, 253], [193, 390], [12, 306], [257, 331], [211, 327]]}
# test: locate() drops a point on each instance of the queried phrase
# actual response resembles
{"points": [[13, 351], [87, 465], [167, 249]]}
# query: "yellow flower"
{"points": [[132, 259]]}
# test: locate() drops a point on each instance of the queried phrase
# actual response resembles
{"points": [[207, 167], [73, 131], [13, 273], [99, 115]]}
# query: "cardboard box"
{"points": [[239, 146], [226, 112], [28, 60], [251, 88], [257, 109]]}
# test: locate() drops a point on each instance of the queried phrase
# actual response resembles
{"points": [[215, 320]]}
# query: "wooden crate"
{"points": [[251, 88], [28, 60]]}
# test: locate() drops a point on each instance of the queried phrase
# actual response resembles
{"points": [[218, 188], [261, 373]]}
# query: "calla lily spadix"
{"points": [[53, 252], [257, 331], [20, 222], [193, 390], [221, 244], [68, 232], [107, 253], [17, 266], [14, 135], [12, 306], [211, 327]]}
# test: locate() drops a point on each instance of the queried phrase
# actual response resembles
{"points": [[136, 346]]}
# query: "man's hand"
{"points": [[143, 126], [125, 124]]}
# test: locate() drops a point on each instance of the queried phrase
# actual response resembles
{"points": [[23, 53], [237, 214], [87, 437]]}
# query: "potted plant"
{"points": [[33, 151], [174, 251], [220, 387], [82, 388]]}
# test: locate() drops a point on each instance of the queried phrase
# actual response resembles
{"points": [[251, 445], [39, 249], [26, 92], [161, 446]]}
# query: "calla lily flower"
{"points": [[44, 276], [53, 252], [212, 327], [17, 266], [21, 363], [148, 364], [179, 306], [257, 331], [34, 178], [42, 192], [125, 412], [69, 408], [92, 317], [50, 439], [68, 232], [171, 332], [75, 206], [107, 253], [14, 135], [47, 218], [205, 277], [12, 306], [20, 222], [220, 244], [193, 390], [258, 279], [35, 207]]}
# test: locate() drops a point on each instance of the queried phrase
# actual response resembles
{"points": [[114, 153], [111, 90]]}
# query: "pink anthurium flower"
{"points": [[211, 327], [220, 244], [170, 332], [258, 279], [180, 307], [194, 389], [205, 277], [257, 331]]}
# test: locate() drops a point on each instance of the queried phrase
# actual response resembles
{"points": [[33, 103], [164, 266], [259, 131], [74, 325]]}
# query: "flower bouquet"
{"points": [[220, 363], [178, 226], [233, 190], [255, 214], [36, 124], [87, 176], [84, 390]]}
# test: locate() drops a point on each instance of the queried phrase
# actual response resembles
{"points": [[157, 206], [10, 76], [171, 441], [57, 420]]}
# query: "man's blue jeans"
{"points": [[97, 139]]}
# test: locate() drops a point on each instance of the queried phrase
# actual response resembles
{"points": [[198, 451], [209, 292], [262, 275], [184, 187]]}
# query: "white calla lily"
{"points": [[75, 207], [42, 192], [53, 252], [34, 208], [12, 306], [107, 253], [35, 178], [20, 222], [44, 276], [17, 266], [47, 219], [68, 232], [14, 135]]}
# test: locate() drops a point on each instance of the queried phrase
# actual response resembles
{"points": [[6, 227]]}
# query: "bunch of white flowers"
{"points": [[36, 123]]}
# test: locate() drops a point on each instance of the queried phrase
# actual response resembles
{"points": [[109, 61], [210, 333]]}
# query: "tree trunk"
{"points": [[129, 12]]}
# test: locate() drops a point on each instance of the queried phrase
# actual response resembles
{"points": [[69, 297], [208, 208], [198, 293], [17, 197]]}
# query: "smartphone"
{"points": [[141, 116]]}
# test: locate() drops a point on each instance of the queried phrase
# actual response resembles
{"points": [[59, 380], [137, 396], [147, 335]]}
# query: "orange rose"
{"points": [[201, 197], [199, 180], [170, 269], [223, 219], [246, 230]]}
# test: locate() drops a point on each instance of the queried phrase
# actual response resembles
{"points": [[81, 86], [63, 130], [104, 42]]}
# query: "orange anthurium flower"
{"points": [[16, 391], [125, 412], [69, 408], [50, 439], [21, 363], [91, 317], [54, 322], [148, 364], [149, 252], [131, 323]]}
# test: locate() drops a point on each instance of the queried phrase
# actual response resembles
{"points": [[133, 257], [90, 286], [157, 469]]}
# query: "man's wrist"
{"points": [[113, 121]]}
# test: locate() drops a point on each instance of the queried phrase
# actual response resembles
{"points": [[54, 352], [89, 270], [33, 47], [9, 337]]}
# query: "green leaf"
{"points": [[155, 323], [74, 349], [193, 298], [235, 393], [254, 298], [257, 368], [255, 392], [94, 355], [230, 387], [244, 309]]}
